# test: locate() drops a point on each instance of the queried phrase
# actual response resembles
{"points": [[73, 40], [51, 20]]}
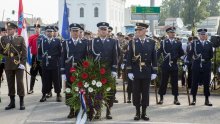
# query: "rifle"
{"points": [[155, 89], [123, 81], [26, 80], [187, 87]]}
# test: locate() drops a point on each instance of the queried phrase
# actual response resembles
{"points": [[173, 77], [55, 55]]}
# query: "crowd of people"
{"points": [[134, 54]]}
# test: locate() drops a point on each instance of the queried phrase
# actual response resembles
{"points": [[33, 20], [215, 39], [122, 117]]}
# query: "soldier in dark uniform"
{"points": [[14, 49], [104, 48], [172, 51], [35, 67], [201, 53], [110, 35], [142, 66], [74, 51], [50, 51], [2, 63], [130, 82]]}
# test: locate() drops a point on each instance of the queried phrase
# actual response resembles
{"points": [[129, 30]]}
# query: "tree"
{"points": [[214, 8], [170, 9], [194, 11]]}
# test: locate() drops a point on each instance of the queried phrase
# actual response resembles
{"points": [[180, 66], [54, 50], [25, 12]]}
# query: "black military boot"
{"points": [[207, 103], [43, 99], [108, 113], [115, 100], [59, 97], [176, 102], [143, 115], [194, 101], [11, 104], [32, 85], [22, 107], [161, 100], [49, 94], [129, 98], [71, 114], [138, 114]]}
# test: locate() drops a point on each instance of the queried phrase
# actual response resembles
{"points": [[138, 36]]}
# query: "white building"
{"points": [[90, 12]]}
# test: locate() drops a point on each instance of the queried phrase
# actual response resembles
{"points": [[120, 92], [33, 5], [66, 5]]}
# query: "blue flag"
{"points": [[65, 25]]}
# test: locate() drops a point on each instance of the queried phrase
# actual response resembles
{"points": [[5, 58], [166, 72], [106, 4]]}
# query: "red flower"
{"points": [[72, 79], [85, 64], [102, 71], [104, 80], [80, 84], [72, 69], [84, 76]]}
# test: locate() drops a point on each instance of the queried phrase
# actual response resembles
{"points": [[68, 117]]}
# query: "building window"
{"points": [[81, 12], [96, 12]]}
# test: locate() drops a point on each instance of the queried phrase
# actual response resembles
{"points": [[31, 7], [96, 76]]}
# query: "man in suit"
{"points": [[50, 51], [74, 51], [14, 49], [201, 53], [142, 68], [104, 49], [172, 51]]}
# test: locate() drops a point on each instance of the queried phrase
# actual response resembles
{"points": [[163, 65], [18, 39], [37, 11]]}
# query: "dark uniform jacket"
{"points": [[14, 49], [72, 52], [146, 53], [107, 51], [50, 53], [199, 53], [174, 49]]}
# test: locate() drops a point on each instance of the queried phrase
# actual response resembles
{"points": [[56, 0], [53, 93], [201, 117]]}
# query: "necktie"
{"points": [[75, 42], [103, 41], [171, 41], [142, 42]]}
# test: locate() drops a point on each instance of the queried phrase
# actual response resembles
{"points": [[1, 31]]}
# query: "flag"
{"points": [[65, 26], [82, 115], [20, 17], [22, 30]]}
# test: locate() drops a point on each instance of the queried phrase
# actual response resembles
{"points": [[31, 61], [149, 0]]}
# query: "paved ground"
{"points": [[52, 112]]}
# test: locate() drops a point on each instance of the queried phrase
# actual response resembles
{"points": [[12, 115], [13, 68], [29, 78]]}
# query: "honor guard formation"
{"points": [[135, 58]]}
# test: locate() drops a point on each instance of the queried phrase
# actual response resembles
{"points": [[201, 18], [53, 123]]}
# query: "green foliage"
{"points": [[93, 79], [189, 10]]}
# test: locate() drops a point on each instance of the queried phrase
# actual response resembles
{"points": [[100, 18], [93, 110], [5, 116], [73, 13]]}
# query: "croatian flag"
{"points": [[22, 29]]}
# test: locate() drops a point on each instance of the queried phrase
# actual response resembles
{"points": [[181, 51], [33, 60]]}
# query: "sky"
{"points": [[47, 9]]}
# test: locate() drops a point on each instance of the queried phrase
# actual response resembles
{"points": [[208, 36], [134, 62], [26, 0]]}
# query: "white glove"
{"points": [[122, 66], [114, 74], [184, 67], [21, 66], [153, 76], [63, 77], [131, 76]]}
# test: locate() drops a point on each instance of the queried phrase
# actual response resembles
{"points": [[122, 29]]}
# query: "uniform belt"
{"points": [[145, 63], [203, 60]]}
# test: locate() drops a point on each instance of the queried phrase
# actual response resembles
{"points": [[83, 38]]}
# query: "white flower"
{"points": [[86, 85], [90, 89], [68, 90], [76, 89], [99, 84], [108, 89], [93, 82]]}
